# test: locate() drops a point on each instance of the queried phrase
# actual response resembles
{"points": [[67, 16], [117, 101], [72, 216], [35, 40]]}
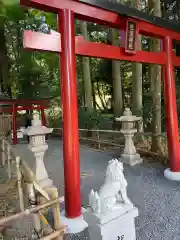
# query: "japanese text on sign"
{"points": [[131, 36]]}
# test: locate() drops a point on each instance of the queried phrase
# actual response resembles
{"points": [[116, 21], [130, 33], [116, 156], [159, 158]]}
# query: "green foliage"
{"points": [[32, 75], [10, 2], [36, 74], [90, 119], [10, 9]]}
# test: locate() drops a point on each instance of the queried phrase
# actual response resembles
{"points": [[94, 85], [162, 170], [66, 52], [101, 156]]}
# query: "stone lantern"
{"points": [[129, 156], [38, 146]]}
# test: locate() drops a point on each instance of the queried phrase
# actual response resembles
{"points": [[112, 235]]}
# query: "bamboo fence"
{"points": [[26, 182], [103, 138]]}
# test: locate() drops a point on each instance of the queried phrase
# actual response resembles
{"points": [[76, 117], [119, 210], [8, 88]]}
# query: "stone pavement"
{"points": [[157, 198]]}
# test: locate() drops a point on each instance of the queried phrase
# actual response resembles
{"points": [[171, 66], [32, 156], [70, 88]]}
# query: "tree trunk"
{"points": [[4, 66], [86, 72], [155, 78], [87, 80], [116, 75], [100, 95], [93, 96], [117, 88], [113, 38], [137, 84], [137, 104]]}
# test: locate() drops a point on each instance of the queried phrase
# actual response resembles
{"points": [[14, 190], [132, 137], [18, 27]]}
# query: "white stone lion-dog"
{"points": [[112, 195]]}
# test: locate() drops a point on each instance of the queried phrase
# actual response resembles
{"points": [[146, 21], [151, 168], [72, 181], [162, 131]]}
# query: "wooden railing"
{"points": [[39, 199], [115, 139]]}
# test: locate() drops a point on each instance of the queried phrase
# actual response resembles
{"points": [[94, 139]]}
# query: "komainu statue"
{"points": [[112, 195]]}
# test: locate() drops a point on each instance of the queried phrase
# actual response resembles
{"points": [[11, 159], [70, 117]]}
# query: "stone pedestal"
{"points": [[119, 225], [40, 170], [170, 175], [130, 156], [111, 214], [74, 225], [131, 159]]}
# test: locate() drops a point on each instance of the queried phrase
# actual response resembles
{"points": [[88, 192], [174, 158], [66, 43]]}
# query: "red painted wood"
{"points": [[25, 102], [6, 110], [171, 108], [90, 13], [47, 42], [176, 60], [43, 116], [82, 11], [14, 123], [15, 108], [70, 115]]}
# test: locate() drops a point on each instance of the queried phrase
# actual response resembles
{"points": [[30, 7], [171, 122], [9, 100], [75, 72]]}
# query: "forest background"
{"points": [[105, 87]]}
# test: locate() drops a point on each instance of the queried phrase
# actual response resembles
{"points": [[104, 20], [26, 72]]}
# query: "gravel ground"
{"points": [[156, 198], [8, 194]]}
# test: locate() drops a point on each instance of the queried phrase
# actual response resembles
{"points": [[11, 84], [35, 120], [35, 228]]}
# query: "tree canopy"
{"points": [[29, 75]]}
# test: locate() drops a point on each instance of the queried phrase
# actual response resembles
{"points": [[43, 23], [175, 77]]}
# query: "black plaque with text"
{"points": [[131, 36]]}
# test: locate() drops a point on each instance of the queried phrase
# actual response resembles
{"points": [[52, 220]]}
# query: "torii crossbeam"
{"points": [[67, 45], [15, 105]]}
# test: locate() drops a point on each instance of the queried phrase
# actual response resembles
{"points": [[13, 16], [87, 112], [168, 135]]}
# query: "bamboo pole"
{"points": [[144, 152], [5, 220], [6, 142], [35, 216], [55, 234], [119, 132], [53, 193], [19, 184], [101, 141], [9, 159], [56, 213], [47, 229], [30, 177], [3, 152]]}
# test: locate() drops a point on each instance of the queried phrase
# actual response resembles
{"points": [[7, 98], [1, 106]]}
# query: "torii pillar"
{"points": [[43, 116], [64, 43], [14, 123]]}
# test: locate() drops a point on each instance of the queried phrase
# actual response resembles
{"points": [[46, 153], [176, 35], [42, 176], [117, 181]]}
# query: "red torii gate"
{"points": [[69, 45], [19, 105]]}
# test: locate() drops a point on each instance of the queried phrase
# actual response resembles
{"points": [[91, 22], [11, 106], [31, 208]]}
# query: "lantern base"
{"points": [[131, 159], [174, 176], [45, 183]]}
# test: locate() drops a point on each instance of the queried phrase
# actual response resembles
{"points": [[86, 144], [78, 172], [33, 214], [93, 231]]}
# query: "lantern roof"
{"points": [[128, 117], [37, 128]]}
